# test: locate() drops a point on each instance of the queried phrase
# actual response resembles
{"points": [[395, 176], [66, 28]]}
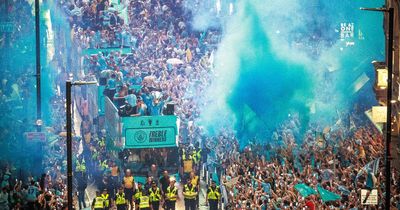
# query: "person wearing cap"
{"points": [[98, 202], [171, 195], [144, 201], [137, 194], [120, 200], [155, 196], [111, 86], [106, 198], [196, 156], [80, 165], [190, 195], [148, 183], [213, 196]]}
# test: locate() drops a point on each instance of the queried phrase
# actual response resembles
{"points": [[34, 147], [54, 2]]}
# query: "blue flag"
{"points": [[304, 190], [327, 195]]}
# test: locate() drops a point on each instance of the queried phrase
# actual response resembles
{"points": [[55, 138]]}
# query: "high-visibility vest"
{"points": [[106, 201], [99, 203], [194, 157], [195, 180], [198, 153], [95, 154], [102, 142], [183, 154], [189, 193], [80, 166], [187, 166], [144, 202], [155, 195], [213, 194], [128, 182], [120, 199], [171, 193], [138, 194], [103, 165]]}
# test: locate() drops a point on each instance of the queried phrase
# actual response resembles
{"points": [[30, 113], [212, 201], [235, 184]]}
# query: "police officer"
{"points": [[190, 195], [120, 200], [187, 163], [144, 201], [195, 181], [98, 202], [213, 196], [103, 166], [155, 196], [137, 194], [80, 165], [106, 198], [171, 195]]}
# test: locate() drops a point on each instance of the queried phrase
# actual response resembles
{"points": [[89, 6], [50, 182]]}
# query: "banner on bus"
{"points": [[150, 131]]}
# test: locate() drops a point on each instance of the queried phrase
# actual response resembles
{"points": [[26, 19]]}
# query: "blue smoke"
{"points": [[282, 58], [18, 111]]}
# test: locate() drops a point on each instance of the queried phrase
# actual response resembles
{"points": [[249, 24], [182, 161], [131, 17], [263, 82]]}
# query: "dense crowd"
{"points": [[340, 162], [168, 62]]}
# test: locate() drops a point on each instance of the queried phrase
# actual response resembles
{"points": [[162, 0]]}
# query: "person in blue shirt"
{"points": [[112, 83], [156, 107], [32, 195], [140, 107], [125, 38], [136, 79], [146, 96], [131, 98], [102, 61]]}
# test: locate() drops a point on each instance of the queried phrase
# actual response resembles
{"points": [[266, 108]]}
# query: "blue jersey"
{"points": [[32, 193]]}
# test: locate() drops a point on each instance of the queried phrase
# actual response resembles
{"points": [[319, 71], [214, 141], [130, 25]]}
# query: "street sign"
{"points": [[35, 136], [372, 197]]}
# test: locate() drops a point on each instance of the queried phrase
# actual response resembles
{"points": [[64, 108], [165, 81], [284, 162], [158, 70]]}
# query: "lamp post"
{"points": [[389, 63], [38, 68], [69, 85]]}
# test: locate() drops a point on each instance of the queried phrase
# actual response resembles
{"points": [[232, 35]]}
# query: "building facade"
{"points": [[380, 87]]}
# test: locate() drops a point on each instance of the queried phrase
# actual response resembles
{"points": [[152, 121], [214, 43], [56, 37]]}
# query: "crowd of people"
{"points": [[339, 161], [168, 62]]}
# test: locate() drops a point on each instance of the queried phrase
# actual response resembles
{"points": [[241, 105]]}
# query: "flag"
{"points": [[352, 124], [327, 195], [344, 190], [304, 190], [371, 167], [375, 166]]}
